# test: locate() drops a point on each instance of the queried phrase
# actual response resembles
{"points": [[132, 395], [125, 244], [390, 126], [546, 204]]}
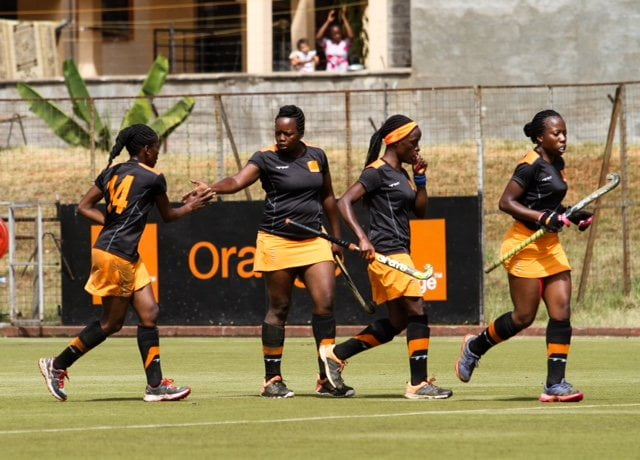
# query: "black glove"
{"points": [[582, 219], [553, 221]]}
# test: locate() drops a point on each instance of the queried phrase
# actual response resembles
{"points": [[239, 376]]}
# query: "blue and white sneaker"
{"points": [[561, 392], [467, 361]]}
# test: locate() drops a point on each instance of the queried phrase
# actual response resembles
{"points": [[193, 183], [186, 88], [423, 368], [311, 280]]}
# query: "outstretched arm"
{"points": [[323, 28], [347, 25], [247, 176], [195, 200]]}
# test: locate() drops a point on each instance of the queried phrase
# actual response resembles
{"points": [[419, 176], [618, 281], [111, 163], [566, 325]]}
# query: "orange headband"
{"points": [[399, 133]]}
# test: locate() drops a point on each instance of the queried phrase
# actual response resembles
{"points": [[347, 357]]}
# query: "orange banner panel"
{"points": [[429, 246]]}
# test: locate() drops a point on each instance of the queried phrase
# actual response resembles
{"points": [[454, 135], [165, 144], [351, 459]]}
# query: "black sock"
{"points": [[90, 337], [558, 344], [500, 330], [379, 332], [272, 347], [418, 345], [324, 333], [149, 346]]}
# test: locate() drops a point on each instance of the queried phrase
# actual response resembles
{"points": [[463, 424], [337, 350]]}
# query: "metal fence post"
{"points": [[40, 263], [347, 133], [480, 157], [13, 314], [626, 259]]}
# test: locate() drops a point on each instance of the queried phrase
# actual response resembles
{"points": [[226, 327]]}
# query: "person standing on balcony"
{"points": [[336, 46], [118, 275], [541, 271], [297, 182]]}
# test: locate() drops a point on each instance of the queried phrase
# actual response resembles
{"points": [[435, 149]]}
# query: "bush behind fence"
{"points": [[472, 139]]}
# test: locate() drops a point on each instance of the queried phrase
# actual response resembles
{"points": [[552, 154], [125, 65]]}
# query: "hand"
{"points": [[419, 166], [582, 219], [367, 251], [199, 197], [553, 221], [331, 16], [200, 185], [337, 251]]}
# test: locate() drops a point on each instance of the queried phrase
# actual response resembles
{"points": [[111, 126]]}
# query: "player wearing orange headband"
{"points": [[390, 195]]}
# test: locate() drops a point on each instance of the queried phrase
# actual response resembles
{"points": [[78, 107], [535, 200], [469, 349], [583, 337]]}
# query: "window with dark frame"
{"points": [[9, 9], [117, 20]]}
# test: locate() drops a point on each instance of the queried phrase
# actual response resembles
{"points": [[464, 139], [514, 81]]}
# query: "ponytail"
{"points": [[392, 123], [134, 138]]}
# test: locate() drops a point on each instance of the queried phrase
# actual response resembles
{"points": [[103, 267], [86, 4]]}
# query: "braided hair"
{"points": [[292, 111], [134, 138], [392, 123], [535, 127]]}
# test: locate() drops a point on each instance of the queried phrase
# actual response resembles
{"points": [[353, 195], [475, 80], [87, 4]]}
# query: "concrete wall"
{"points": [[399, 33], [489, 42]]}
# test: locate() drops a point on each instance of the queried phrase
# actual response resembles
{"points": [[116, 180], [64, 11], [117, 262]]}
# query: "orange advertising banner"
{"points": [[429, 246]]}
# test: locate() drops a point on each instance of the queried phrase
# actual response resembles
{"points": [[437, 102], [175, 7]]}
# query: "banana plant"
{"points": [[143, 111], [72, 132]]}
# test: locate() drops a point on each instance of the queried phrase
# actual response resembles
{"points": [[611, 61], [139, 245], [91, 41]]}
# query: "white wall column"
{"points": [[89, 54], [259, 36], [303, 22], [378, 31]]}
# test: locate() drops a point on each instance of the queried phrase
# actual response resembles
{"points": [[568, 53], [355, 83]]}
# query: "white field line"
{"points": [[541, 410]]}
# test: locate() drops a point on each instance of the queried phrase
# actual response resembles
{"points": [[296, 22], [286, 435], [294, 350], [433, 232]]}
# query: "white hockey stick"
{"points": [[425, 275], [613, 181]]}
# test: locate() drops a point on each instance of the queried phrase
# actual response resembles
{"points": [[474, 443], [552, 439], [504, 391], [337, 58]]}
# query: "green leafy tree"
{"points": [[72, 132]]}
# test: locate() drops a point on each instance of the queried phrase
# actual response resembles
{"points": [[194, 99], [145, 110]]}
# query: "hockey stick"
{"points": [[425, 275], [613, 181], [367, 306]]}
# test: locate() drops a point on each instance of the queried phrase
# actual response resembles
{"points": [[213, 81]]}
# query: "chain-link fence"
{"points": [[472, 139]]}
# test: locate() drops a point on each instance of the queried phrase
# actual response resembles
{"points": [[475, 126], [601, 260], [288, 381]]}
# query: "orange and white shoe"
{"points": [[333, 365], [427, 390], [166, 391], [276, 388]]}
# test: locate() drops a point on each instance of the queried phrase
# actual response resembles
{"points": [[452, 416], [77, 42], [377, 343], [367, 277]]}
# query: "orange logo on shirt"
{"points": [[313, 166]]}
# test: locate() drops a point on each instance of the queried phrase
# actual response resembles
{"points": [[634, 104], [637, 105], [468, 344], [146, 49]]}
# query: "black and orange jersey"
{"points": [[544, 183], [130, 190], [391, 196], [294, 189]]}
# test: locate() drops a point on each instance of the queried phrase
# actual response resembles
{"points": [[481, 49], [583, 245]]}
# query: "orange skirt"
{"points": [[544, 257], [113, 276], [277, 253], [389, 284]]}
